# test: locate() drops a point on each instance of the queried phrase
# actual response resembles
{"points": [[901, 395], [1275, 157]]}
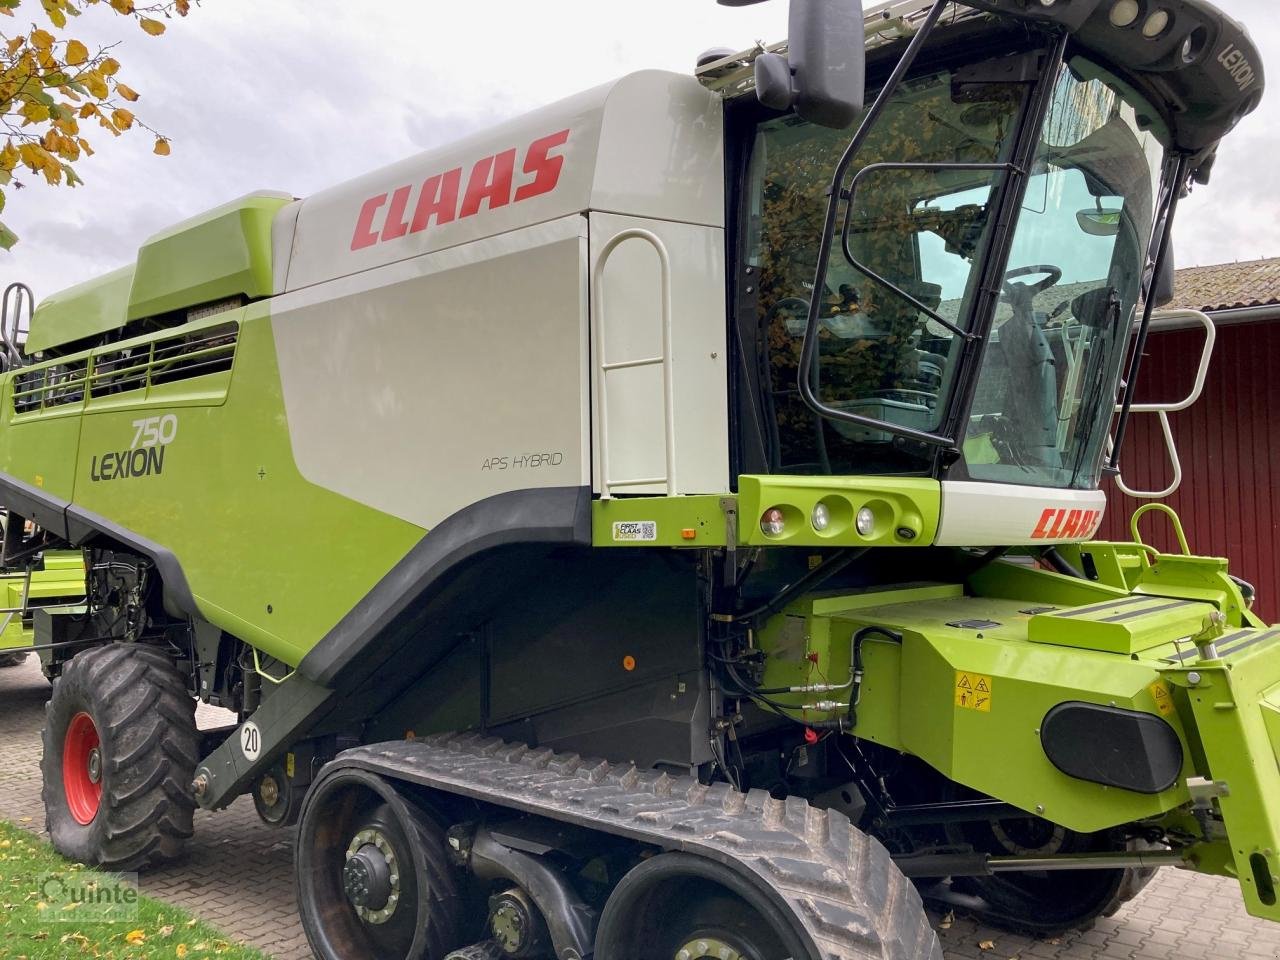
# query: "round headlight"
{"points": [[772, 522], [1125, 13], [865, 522], [1156, 24], [821, 517]]}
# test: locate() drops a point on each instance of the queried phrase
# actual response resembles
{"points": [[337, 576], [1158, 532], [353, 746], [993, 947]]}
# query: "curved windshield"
{"points": [[1048, 380], [876, 355], [889, 351]]}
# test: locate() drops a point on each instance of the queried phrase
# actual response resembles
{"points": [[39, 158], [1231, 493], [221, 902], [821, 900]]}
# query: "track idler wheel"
{"points": [[1051, 901], [374, 880], [120, 748], [681, 907]]}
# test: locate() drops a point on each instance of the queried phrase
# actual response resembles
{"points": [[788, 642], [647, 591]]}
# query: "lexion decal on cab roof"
{"points": [[491, 181]]}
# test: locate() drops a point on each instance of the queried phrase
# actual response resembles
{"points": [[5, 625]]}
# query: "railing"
{"points": [[1162, 410]]}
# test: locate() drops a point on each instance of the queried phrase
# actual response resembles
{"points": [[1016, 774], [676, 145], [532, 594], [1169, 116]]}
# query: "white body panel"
{"points": [[649, 144], [987, 514], [434, 327], [422, 387], [629, 299]]}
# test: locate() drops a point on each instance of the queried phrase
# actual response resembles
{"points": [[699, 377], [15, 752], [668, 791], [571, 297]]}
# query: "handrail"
{"points": [[1169, 512], [1162, 410]]}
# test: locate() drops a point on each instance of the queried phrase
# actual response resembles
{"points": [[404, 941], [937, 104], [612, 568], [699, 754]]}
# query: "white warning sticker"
{"points": [[632, 530]]}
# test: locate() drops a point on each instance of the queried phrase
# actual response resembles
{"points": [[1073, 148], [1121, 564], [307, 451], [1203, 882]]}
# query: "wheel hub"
{"points": [[709, 948], [82, 768], [371, 877]]}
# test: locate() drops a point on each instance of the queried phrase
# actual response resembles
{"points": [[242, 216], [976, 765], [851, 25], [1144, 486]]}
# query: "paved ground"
{"points": [[238, 876]]}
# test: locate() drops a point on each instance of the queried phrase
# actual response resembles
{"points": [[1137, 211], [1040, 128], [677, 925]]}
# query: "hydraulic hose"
{"points": [[1060, 564]]}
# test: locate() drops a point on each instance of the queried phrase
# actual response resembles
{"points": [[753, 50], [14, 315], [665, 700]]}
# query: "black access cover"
{"points": [[1119, 748]]}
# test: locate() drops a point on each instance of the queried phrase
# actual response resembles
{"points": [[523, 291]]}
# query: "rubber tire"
{"points": [[332, 809], [13, 659], [150, 747]]}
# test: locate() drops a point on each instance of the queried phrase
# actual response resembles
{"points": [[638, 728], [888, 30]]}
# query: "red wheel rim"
{"points": [[82, 768]]}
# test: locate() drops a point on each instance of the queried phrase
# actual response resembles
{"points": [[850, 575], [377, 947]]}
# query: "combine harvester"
{"points": [[659, 527]]}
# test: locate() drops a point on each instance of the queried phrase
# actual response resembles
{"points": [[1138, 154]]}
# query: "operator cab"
{"points": [[995, 232]]}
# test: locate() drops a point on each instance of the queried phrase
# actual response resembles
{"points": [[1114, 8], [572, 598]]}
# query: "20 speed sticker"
{"points": [[973, 691], [625, 531]]}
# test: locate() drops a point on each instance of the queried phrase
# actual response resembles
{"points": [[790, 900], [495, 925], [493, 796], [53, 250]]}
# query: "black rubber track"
{"points": [[849, 899], [146, 721]]}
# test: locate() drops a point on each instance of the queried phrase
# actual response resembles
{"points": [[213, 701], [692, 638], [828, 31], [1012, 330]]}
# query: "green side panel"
{"points": [[659, 522], [912, 698], [223, 253], [268, 555], [86, 310], [904, 510], [39, 448]]}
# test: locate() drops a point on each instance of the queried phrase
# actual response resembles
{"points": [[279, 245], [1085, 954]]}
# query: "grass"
{"points": [[52, 909]]}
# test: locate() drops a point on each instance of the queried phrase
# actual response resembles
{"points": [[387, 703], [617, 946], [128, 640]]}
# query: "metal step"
{"points": [[842, 887]]}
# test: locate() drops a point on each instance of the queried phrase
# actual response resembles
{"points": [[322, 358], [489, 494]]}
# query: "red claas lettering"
{"points": [[490, 184]]}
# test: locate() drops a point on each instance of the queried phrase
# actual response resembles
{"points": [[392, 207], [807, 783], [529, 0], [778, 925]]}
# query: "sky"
{"points": [[297, 95]]}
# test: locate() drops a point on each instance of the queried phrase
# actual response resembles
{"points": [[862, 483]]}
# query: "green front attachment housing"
{"points": [[1086, 703], [60, 581]]}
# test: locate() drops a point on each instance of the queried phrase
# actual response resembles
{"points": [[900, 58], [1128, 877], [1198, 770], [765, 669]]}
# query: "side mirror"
{"points": [[1163, 293], [1100, 221], [824, 74]]}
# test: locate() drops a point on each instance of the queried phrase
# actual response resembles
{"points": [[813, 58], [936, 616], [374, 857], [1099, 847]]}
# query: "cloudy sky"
{"points": [[296, 95]]}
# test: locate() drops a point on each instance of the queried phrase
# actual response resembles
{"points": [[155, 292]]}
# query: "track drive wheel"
{"points": [[120, 749], [13, 659], [374, 879], [1053, 901]]}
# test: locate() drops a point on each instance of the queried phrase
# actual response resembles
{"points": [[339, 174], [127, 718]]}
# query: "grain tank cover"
{"points": [[212, 257], [86, 310], [220, 254]]}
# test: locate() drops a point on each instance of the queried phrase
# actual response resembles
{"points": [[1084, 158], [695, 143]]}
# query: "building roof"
{"points": [[1228, 286]]}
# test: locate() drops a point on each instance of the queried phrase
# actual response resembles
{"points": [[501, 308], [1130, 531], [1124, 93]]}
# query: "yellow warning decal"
{"points": [[1163, 697], [973, 691]]}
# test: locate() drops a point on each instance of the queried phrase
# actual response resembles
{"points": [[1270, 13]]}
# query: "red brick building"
{"points": [[1228, 442]]}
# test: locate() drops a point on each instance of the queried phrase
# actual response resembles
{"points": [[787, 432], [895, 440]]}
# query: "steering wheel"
{"points": [[1052, 276]]}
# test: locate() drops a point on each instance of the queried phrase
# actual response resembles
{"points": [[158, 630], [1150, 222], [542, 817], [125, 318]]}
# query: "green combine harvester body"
{"points": [[670, 426]]}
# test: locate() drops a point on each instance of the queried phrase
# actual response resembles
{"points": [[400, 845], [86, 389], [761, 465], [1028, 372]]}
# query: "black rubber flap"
{"points": [[1119, 748]]}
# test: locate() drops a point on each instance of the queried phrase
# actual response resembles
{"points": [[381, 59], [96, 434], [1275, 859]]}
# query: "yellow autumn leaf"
{"points": [[180, 951], [109, 66], [135, 936], [95, 84], [162, 146], [41, 39], [122, 118], [84, 145], [122, 6], [77, 53], [127, 92], [14, 44], [153, 27]]}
